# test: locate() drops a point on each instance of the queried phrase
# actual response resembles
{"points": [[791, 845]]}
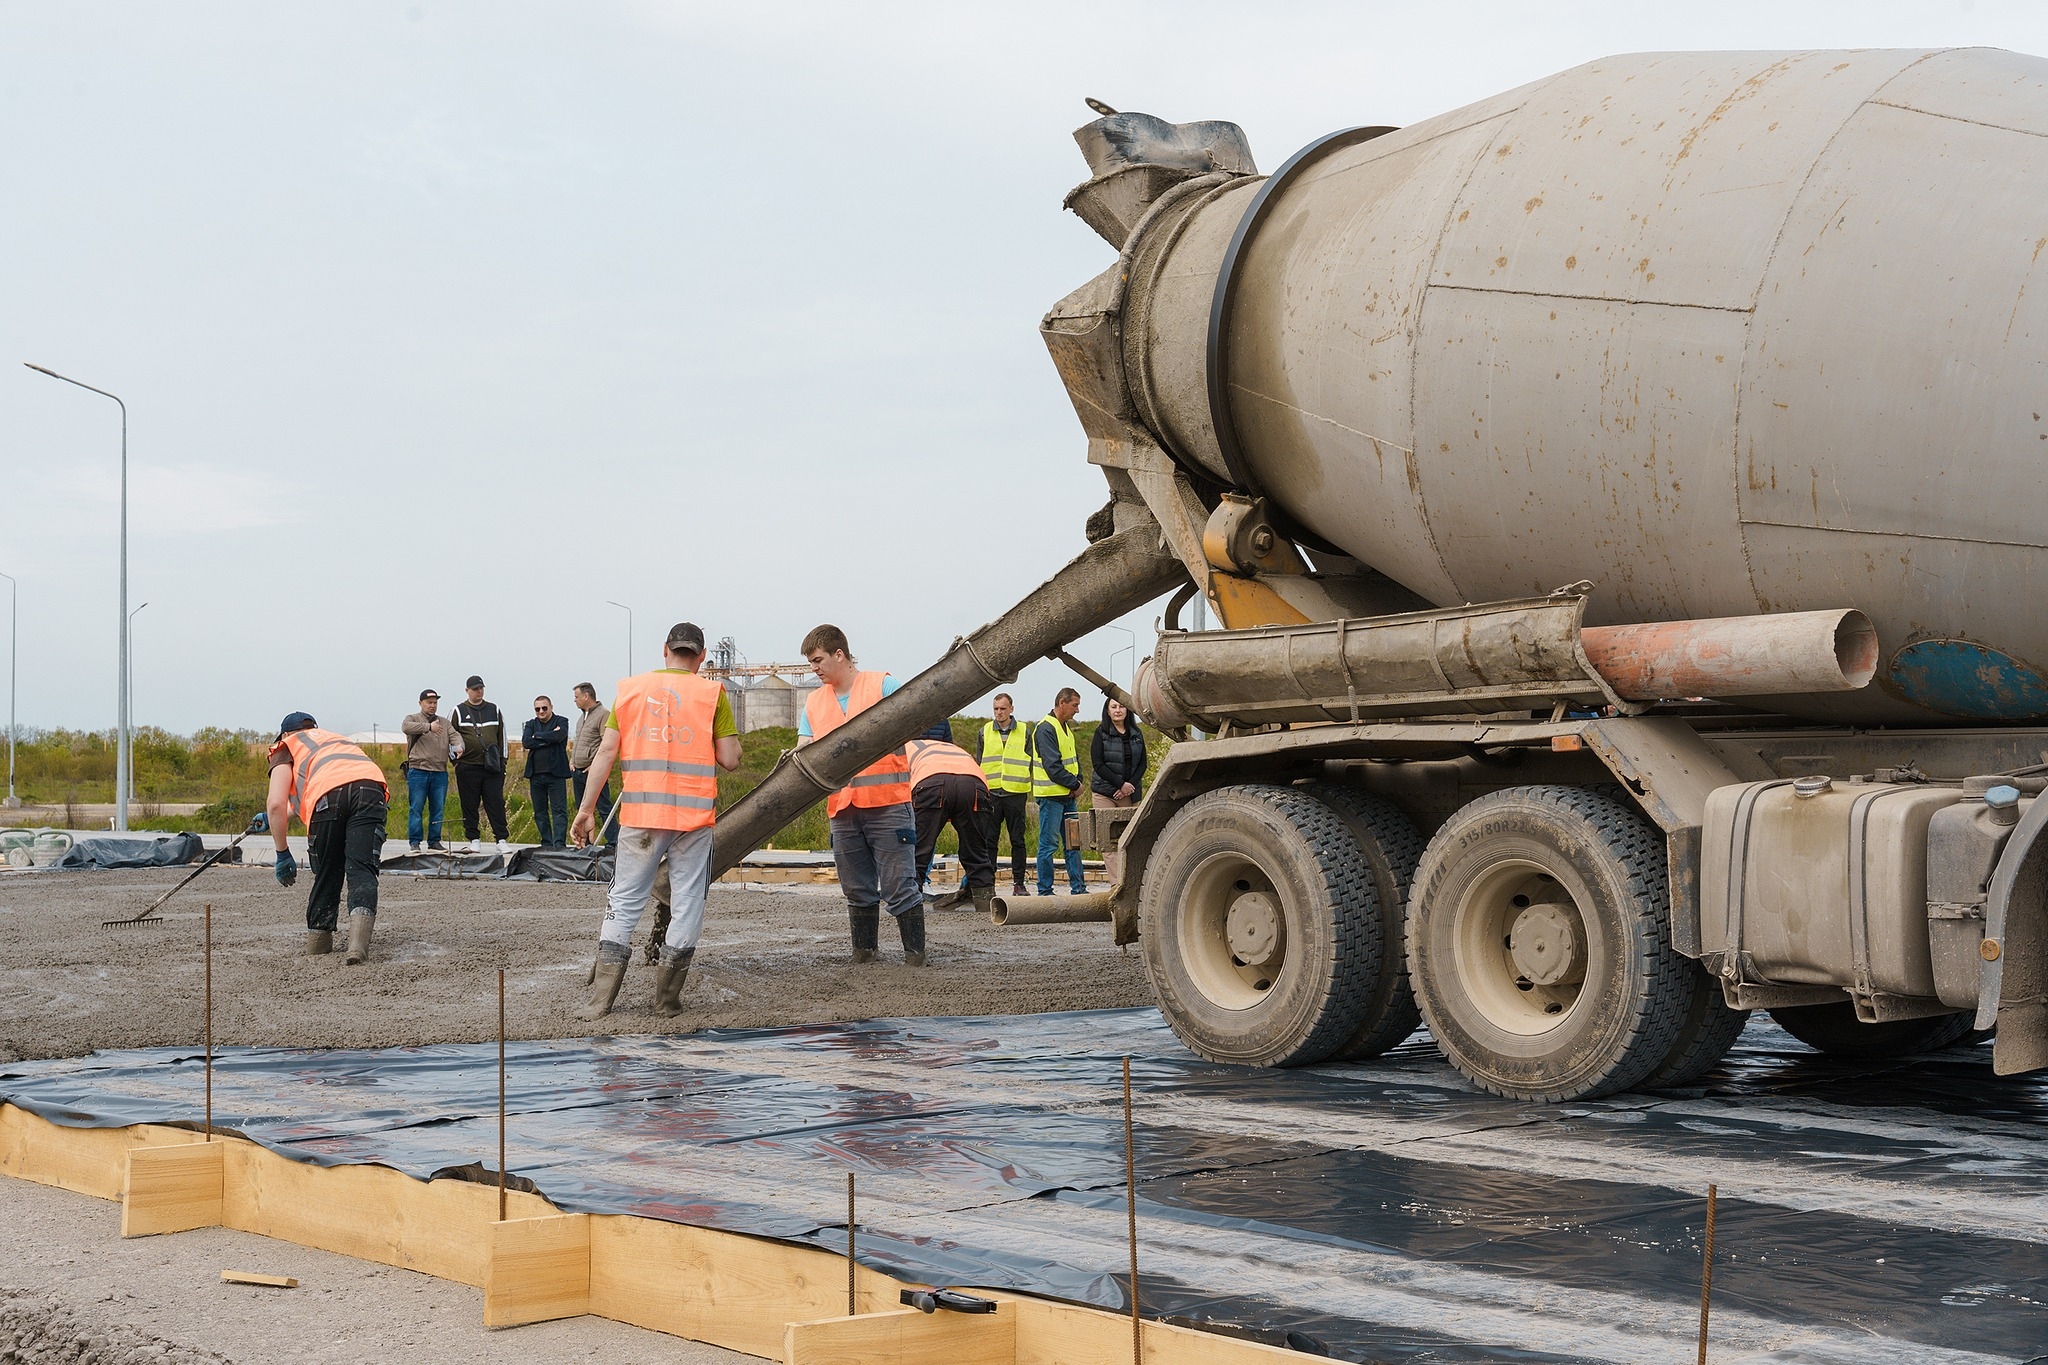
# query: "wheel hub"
{"points": [[1545, 944], [1253, 928]]}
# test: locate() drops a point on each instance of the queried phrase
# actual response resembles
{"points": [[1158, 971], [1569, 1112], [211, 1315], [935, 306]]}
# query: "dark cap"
{"points": [[297, 720], [430, 692], [474, 681], [685, 638]]}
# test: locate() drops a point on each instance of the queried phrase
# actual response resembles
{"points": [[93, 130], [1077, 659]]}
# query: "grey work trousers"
{"points": [[638, 854]]}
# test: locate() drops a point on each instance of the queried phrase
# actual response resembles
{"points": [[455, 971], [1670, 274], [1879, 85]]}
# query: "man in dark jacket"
{"points": [[480, 771], [546, 741], [1116, 757]]}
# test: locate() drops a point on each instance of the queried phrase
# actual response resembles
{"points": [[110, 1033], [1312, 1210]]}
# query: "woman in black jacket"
{"points": [[1117, 756]]}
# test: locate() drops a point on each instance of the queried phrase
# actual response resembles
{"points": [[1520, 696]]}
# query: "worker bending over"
{"points": [[946, 786], [874, 835], [670, 732], [338, 791]]}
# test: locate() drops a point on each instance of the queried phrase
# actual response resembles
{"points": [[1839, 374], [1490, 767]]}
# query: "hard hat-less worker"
{"points": [[1007, 767], [1055, 784], [670, 732], [339, 792], [946, 785], [874, 834]]}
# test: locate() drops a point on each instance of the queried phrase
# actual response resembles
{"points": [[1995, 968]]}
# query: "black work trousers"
{"points": [[550, 809], [473, 783], [962, 801], [1007, 811], [345, 843]]}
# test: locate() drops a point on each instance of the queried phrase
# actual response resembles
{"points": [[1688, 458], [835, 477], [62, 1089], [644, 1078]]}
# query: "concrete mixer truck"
{"points": [[1623, 503]]}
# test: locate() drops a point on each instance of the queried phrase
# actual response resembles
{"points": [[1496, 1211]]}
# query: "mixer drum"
{"points": [[1722, 332]]}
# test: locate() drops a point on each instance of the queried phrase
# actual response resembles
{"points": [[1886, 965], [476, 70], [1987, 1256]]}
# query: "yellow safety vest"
{"points": [[1041, 783], [1007, 764]]}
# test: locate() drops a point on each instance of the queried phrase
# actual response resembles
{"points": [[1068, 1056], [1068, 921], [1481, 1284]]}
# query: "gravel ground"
{"points": [[75, 1292], [776, 956]]}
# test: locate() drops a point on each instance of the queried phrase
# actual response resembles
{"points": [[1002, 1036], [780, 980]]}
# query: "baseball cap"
{"points": [[297, 720], [474, 681], [686, 638], [430, 692]]}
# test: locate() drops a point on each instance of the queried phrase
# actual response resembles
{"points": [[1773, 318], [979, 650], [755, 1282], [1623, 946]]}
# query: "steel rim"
{"points": [[1520, 943], [1232, 932]]}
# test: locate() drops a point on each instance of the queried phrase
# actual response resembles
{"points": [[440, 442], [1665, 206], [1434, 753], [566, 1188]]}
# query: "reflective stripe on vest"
{"points": [[322, 761], [668, 767], [930, 757], [1041, 782], [886, 781], [1006, 760]]}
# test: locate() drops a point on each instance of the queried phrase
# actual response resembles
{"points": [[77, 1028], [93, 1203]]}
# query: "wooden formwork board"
{"points": [[749, 1294]]}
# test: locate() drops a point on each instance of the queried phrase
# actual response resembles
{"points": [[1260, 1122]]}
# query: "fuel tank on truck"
{"points": [[1722, 332]]}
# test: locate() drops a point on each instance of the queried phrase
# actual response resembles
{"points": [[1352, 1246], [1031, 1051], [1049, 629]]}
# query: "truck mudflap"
{"points": [[2013, 990]]}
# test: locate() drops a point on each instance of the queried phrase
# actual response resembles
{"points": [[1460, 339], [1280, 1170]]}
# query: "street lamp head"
{"points": [[40, 370]]}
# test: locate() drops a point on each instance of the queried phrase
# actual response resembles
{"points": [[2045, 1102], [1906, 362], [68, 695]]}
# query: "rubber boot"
{"points": [[319, 942], [590, 977], [866, 923], [668, 982], [910, 925], [360, 926], [604, 990], [982, 896]]}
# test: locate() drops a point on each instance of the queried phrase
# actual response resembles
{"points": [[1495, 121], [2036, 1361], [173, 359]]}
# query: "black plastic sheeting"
{"points": [[101, 855], [524, 864], [1376, 1211]]}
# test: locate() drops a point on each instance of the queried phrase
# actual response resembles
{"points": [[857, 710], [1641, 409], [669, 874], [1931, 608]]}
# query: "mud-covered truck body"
{"points": [[1622, 501]]}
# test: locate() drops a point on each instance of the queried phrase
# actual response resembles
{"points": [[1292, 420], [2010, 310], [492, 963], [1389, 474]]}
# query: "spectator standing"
{"points": [[1117, 756], [1056, 785], [480, 770], [1006, 767], [874, 833], [946, 785], [583, 749], [430, 743], [546, 741]]}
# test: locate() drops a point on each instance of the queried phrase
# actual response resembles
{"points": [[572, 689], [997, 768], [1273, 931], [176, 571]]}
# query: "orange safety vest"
{"points": [[930, 757], [322, 761], [668, 761], [886, 781]]}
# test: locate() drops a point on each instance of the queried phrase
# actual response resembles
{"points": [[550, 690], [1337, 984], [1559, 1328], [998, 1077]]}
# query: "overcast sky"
{"points": [[441, 323]]}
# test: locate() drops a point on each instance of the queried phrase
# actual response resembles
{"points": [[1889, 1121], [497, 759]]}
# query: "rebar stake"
{"points": [[1707, 1274], [851, 1309], [501, 1094], [1131, 1210], [209, 1021]]}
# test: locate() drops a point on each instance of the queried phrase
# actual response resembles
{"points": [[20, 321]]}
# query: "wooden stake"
{"points": [[851, 1309], [209, 1021], [1707, 1274], [501, 1094], [1131, 1209]]}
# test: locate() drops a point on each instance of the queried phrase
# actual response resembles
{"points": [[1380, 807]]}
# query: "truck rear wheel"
{"points": [[1539, 944], [1261, 936], [1392, 847], [1835, 1030], [1709, 1028]]}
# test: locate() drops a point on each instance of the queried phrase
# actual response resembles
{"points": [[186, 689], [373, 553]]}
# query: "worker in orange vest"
{"points": [[946, 785], [874, 835], [670, 732], [339, 792]]}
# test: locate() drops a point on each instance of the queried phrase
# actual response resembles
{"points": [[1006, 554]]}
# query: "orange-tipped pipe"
{"points": [[1735, 656]]}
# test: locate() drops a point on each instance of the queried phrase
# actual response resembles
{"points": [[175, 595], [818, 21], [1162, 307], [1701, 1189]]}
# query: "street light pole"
{"points": [[1132, 647], [629, 632], [13, 614], [124, 744], [130, 656]]}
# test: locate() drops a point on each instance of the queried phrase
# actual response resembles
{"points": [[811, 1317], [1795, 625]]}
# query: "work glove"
{"points": [[287, 868], [259, 824]]}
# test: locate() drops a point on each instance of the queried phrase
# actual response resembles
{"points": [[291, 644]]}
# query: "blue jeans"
{"points": [[875, 850], [1052, 834], [429, 790]]}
